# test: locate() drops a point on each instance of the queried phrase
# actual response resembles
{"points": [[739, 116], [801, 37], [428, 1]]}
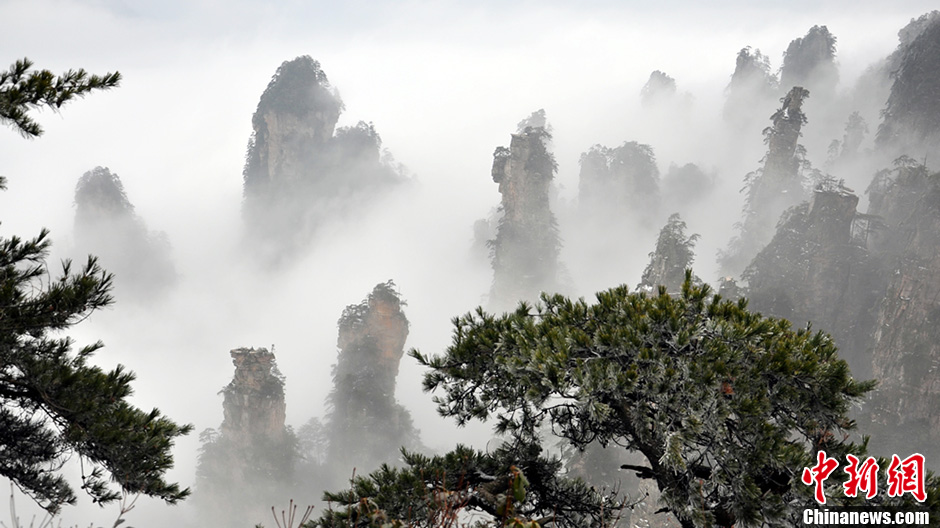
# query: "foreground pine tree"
{"points": [[53, 404], [726, 406]]}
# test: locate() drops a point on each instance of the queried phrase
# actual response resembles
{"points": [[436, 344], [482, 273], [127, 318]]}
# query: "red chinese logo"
{"points": [[904, 476], [907, 476], [819, 473], [864, 478]]}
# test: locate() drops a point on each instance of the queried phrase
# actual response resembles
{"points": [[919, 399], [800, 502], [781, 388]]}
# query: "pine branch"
{"points": [[23, 90]]}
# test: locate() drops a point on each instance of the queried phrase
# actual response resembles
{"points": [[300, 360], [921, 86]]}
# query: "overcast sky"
{"points": [[194, 70], [443, 82]]}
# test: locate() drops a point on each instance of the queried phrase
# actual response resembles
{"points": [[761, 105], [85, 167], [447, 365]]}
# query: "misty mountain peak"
{"points": [[301, 87], [536, 119], [99, 195], [810, 61], [300, 170], [106, 225], [912, 112], [621, 178], [367, 426], [659, 87], [525, 250], [254, 400]]}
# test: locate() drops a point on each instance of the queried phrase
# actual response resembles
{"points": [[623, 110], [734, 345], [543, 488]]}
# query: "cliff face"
{"points": [[817, 268], [366, 425], [893, 196], [106, 225], [525, 250], [300, 170], [906, 344], [254, 405], [872, 281]]}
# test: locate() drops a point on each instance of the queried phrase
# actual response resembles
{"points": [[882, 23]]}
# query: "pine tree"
{"points": [[726, 406], [53, 403]]}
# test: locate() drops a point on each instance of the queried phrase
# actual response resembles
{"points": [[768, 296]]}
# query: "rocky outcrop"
{"points": [[855, 131], [248, 463], [100, 199], [525, 250], [294, 122], [673, 256], [374, 333], [300, 171], [106, 225], [780, 173], [774, 187], [367, 426], [254, 405]]}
